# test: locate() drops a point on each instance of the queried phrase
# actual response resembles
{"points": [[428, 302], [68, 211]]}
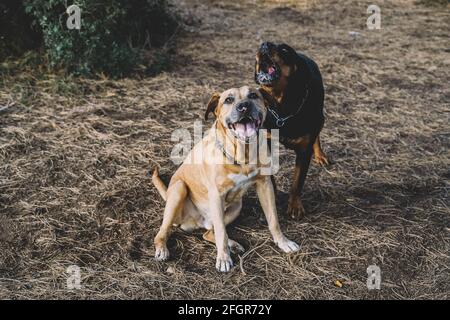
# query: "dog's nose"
{"points": [[243, 106], [264, 47]]}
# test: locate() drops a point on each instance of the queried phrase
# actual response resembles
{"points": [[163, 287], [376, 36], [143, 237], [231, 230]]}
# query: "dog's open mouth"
{"points": [[245, 128], [268, 72]]}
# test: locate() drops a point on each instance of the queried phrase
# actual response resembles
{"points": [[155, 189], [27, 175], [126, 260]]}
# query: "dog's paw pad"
{"points": [[321, 159], [162, 254], [235, 247], [224, 264], [295, 209], [288, 246]]}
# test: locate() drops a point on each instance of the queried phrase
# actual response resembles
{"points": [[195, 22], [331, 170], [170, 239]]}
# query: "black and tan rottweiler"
{"points": [[294, 84]]}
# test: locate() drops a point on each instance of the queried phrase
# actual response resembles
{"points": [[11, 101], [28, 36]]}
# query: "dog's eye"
{"points": [[252, 95], [229, 100], [284, 51]]}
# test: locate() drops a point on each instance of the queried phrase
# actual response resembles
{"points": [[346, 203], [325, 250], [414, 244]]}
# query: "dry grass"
{"points": [[74, 156]]}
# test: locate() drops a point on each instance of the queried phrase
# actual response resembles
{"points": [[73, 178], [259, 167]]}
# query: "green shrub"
{"points": [[16, 32], [112, 37]]}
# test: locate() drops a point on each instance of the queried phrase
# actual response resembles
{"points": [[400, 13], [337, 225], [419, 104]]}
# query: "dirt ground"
{"points": [[75, 155]]}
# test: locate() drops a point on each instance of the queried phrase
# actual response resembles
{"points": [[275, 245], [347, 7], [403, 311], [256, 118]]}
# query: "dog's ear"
{"points": [[287, 53], [256, 74], [268, 99], [212, 104]]}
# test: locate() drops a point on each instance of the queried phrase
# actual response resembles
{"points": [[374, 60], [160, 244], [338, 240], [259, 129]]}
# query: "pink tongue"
{"points": [[245, 130], [271, 70], [240, 129], [250, 129]]}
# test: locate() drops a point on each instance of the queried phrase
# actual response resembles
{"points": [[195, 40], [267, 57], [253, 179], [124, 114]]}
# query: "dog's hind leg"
{"points": [[302, 161], [319, 156], [176, 196], [233, 245]]}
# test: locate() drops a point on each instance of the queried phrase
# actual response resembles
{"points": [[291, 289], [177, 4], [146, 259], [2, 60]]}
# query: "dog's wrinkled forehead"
{"points": [[238, 93], [235, 95], [278, 52]]}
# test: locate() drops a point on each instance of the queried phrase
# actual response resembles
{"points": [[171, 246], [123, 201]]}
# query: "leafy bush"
{"points": [[16, 32], [112, 37]]}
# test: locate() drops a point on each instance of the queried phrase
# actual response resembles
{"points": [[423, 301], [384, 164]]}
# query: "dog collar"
{"points": [[219, 145], [280, 121]]}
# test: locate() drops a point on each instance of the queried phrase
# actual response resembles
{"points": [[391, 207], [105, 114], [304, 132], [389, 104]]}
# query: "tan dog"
{"points": [[208, 194]]}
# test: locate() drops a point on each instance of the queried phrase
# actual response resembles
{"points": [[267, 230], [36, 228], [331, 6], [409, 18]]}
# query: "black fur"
{"points": [[304, 90], [310, 119]]}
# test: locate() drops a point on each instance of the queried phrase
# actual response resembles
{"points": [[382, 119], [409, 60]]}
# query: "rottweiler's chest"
{"points": [[297, 126], [296, 143]]}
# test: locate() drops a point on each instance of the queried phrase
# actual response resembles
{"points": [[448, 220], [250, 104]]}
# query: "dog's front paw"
{"points": [[287, 245], [161, 253], [295, 208], [224, 263]]}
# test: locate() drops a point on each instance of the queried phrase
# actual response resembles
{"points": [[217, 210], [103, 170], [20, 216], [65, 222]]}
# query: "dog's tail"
{"points": [[159, 184]]}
